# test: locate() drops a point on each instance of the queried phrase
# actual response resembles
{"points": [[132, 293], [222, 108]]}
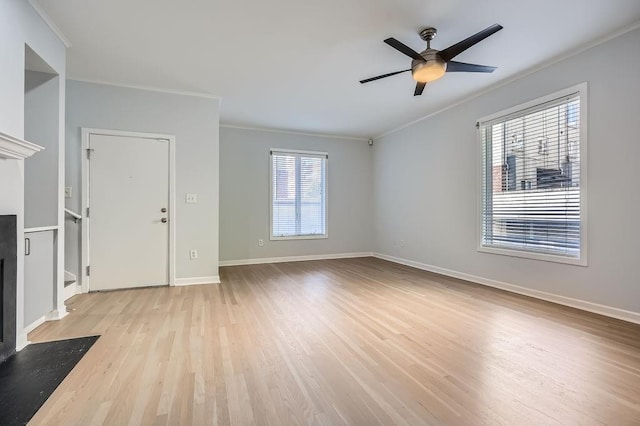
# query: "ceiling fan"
{"points": [[431, 64]]}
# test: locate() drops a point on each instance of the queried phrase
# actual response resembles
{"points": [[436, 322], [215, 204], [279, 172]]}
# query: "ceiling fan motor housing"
{"points": [[432, 68]]}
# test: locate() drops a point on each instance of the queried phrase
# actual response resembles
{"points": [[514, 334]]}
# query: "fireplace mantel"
{"points": [[16, 149]]}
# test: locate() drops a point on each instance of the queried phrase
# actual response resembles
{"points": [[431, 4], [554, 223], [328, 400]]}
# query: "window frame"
{"points": [[326, 194], [581, 260]]}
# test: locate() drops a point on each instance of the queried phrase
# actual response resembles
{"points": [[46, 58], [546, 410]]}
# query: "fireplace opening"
{"points": [[1, 300], [8, 285]]}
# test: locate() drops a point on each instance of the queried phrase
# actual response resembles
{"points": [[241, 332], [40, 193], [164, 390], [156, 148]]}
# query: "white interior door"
{"points": [[128, 217]]}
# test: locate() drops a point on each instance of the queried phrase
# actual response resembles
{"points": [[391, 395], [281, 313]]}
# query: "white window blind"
{"points": [[531, 193], [298, 194]]}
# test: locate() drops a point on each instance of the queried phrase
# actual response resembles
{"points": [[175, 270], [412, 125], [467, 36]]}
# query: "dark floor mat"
{"points": [[29, 377]]}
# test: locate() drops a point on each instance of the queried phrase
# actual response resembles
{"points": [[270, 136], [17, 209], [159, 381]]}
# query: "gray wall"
{"points": [[194, 122], [244, 195], [41, 126], [426, 182]]}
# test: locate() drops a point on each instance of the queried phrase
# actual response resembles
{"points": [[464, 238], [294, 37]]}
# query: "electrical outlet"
{"points": [[192, 198], [67, 192], [193, 254], [260, 243]]}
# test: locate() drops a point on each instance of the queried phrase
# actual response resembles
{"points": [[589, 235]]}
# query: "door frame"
{"points": [[85, 255]]}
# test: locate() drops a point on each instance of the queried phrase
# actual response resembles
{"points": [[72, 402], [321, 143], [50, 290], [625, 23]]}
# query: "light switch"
{"points": [[192, 198]]}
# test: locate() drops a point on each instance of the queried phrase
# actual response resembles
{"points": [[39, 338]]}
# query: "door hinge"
{"points": [[89, 151], [88, 270], [477, 124]]}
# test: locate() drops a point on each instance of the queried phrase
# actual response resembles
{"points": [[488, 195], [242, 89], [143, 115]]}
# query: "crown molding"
{"points": [[47, 20], [293, 132], [147, 88], [16, 149]]}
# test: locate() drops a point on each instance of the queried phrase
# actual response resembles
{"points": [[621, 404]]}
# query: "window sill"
{"points": [[581, 261], [300, 237]]}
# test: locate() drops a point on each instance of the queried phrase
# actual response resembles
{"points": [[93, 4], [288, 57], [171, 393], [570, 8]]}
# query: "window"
{"points": [[533, 179], [298, 194]]}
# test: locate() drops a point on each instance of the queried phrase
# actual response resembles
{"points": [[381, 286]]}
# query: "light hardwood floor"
{"points": [[354, 341]]}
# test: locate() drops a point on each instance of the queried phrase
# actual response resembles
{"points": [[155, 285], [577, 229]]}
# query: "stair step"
{"points": [[69, 278]]}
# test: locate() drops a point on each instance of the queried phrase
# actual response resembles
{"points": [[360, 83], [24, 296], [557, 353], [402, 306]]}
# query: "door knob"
{"points": [[163, 220], [163, 210]]}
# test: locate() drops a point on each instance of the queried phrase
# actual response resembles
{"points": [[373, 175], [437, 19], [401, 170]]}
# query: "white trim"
{"points": [[147, 88], [315, 154], [69, 291], [55, 315], [41, 229], [51, 316], [47, 20], [300, 237], [181, 282], [582, 90], [173, 217], [517, 77], [524, 254], [60, 232], [83, 280], [22, 341], [37, 323], [294, 132], [85, 258], [263, 260], [584, 305], [13, 148], [584, 162]]}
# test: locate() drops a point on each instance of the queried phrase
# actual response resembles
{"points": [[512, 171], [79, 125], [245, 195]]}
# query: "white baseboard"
{"points": [[596, 308], [261, 260], [69, 291], [51, 316], [22, 342], [179, 282], [56, 314], [28, 329]]}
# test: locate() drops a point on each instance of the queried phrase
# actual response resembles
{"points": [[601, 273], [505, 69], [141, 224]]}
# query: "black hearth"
{"points": [[8, 270]]}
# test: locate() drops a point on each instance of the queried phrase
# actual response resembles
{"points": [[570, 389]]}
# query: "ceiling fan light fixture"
{"points": [[431, 64], [431, 70]]}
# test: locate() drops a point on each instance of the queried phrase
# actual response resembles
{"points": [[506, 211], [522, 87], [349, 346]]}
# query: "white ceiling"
{"points": [[295, 64]]}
